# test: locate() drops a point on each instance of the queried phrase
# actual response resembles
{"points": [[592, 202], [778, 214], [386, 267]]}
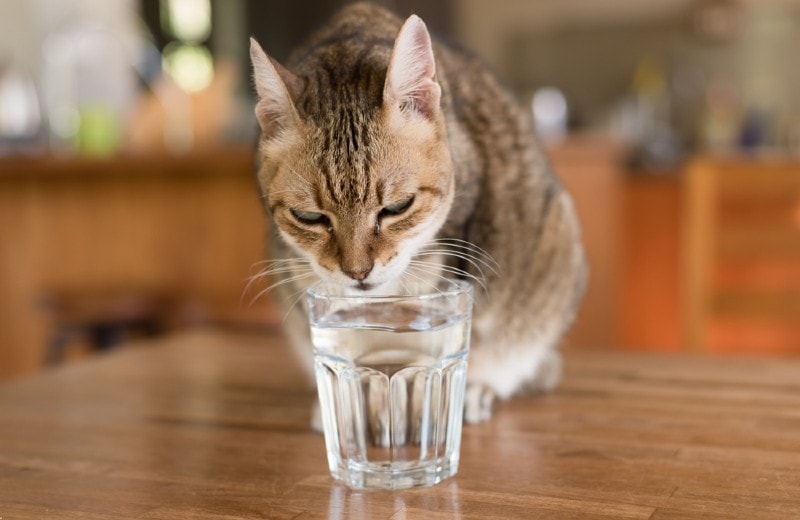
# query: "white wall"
{"points": [[19, 36], [25, 24], [483, 25]]}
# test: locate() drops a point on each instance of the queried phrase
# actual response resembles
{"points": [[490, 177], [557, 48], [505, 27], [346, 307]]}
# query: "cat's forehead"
{"points": [[342, 147], [346, 74], [340, 178]]}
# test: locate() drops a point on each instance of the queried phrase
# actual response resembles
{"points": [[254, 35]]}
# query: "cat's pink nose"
{"points": [[357, 275]]}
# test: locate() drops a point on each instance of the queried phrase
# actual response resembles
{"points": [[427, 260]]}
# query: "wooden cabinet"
{"points": [[742, 256], [190, 227], [711, 258]]}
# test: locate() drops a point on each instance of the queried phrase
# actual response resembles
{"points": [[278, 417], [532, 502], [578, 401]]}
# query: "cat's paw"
{"points": [[478, 402]]}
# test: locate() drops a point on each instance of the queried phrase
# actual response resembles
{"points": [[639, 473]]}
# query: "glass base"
{"points": [[389, 476]]}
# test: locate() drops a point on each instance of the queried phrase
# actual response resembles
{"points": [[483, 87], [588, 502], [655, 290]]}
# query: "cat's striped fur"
{"points": [[343, 137]]}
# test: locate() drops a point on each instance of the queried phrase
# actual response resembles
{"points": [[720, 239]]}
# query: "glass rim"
{"points": [[457, 287]]}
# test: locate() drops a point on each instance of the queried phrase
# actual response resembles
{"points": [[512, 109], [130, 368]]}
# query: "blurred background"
{"points": [[128, 207]]}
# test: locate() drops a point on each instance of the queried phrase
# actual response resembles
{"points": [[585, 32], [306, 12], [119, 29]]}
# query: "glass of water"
{"points": [[390, 374]]}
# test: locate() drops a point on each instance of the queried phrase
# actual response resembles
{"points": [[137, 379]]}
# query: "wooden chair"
{"points": [[741, 269]]}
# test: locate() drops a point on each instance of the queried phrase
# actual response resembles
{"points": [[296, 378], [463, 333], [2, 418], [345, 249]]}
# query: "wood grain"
{"points": [[213, 425]]}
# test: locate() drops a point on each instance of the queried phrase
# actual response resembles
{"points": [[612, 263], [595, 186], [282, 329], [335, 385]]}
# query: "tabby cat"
{"points": [[386, 157]]}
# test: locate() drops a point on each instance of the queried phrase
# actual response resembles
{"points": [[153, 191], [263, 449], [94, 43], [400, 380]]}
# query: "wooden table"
{"points": [[215, 425]]}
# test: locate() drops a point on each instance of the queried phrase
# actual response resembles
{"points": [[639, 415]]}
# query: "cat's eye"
{"points": [[310, 217], [397, 208]]}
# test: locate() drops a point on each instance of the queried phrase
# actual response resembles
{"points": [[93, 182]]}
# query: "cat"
{"points": [[380, 147]]}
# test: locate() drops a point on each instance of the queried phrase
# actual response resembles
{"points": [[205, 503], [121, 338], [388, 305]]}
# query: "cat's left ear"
{"points": [[277, 88], [411, 84]]}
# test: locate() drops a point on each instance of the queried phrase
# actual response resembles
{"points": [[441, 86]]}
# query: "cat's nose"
{"points": [[358, 275]]}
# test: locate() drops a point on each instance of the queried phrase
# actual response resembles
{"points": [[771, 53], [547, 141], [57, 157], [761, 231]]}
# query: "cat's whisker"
{"points": [[281, 261], [448, 269], [295, 265], [477, 262], [466, 245], [280, 270], [429, 272], [294, 272], [250, 281], [459, 248], [430, 268], [420, 278], [277, 267], [253, 279], [433, 267], [296, 297], [279, 283], [403, 286]]}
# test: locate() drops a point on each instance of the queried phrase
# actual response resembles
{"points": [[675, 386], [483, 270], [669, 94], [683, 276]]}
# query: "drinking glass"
{"points": [[390, 373]]}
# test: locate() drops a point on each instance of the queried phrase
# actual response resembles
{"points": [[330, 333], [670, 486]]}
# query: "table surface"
{"points": [[215, 425]]}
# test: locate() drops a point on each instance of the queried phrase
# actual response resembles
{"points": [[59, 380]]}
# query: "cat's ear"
{"points": [[276, 88], [411, 84]]}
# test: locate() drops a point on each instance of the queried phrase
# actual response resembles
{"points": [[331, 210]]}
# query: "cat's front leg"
{"points": [[499, 371]]}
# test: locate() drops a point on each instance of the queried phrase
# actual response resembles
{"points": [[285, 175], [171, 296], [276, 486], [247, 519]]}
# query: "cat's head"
{"points": [[354, 162]]}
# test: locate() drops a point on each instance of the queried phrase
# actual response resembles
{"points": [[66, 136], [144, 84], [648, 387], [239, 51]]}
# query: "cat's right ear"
{"points": [[411, 82], [276, 88]]}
